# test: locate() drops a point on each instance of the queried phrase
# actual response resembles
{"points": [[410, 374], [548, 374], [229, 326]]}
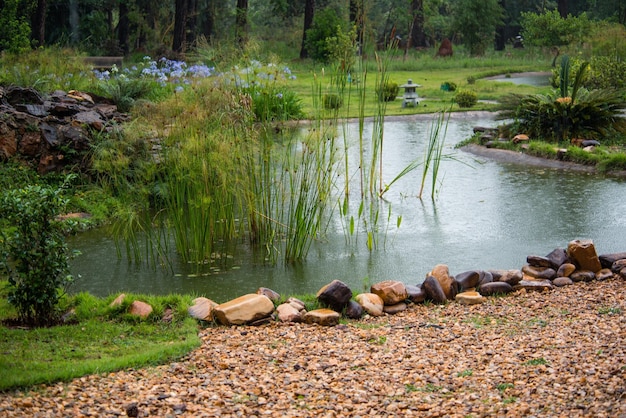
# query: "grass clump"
{"points": [[97, 339]]}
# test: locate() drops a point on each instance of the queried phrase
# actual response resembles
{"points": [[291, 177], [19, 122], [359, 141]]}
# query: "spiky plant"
{"points": [[570, 112]]}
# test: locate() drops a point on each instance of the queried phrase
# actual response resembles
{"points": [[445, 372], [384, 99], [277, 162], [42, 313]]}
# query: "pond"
{"points": [[486, 215], [540, 79]]}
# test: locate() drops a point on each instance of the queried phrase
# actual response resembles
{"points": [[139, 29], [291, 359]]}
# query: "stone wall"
{"points": [[55, 131]]}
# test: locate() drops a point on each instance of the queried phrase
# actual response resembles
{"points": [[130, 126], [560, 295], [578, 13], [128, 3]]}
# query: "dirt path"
{"points": [[555, 354]]}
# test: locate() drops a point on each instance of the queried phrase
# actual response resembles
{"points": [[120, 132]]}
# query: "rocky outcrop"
{"points": [[243, 310], [55, 131]]}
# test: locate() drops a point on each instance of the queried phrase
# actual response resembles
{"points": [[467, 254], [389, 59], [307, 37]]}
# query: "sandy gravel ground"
{"points": [[555, 354]]}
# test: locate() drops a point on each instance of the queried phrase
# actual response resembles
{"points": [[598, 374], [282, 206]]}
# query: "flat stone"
{"points": [[296, 303], [618, 266], [539, 261], [529, 283], [140, 309], [604, 274], [583, 254], [371, 303], [390, 291], [495, 288], [202, 309], [557, 257], [469, 298], [562, 281], [244, 309], [394, 309], [511, 277], [326, 317], [583, 276], [543, 273]]}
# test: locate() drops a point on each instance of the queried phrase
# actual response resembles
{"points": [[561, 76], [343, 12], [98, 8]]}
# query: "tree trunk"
{"points": [[501, 32], [74, 22], [562, 7], [241, 22], [123, 29], [39, 23], [180, 20], [192, 21], [208, 23], [417, 37], [309, 13]]}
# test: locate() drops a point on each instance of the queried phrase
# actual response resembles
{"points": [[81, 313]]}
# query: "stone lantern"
{"points": [[410, 95]]}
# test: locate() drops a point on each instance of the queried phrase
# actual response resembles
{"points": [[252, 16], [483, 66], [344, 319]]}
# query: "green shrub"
{"points": [[274, 103], [466, 98], [332, 101], [448, 86], [550, 29], [323, 35], [33, 252], [388, 92], [615, 162], [14, 28]]}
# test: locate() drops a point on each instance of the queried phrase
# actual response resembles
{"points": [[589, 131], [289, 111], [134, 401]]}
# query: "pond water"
{"points": [[531, 78], [486, 215]]}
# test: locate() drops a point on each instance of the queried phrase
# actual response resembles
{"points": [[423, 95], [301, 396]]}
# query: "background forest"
{"points": [[126, 27]]}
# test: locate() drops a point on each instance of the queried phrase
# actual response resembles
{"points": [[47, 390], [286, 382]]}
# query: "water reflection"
{"points": [[486, 215]]}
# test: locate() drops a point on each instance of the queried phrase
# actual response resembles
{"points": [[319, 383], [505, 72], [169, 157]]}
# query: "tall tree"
{"points": [[180, 24], [477, 22], [309, 13], [123, 28], [563, 8], [39, 23], [417, 35], [241, 22], [501, 31]]}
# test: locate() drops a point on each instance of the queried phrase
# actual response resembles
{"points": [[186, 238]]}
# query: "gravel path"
{"points": [[555, 354]]}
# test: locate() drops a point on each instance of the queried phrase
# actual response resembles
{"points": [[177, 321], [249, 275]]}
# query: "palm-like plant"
{"points": [[561, 116]]}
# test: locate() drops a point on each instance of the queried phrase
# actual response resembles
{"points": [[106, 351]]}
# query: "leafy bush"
{"points": [[448, 86], [332, 101], [33, 252], [273, 103], [570, 113], [466, 98], [323, 35], [388, 92], [550, 29], [14, 28]]}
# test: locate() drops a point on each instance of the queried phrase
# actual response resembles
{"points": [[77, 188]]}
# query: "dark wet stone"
{"points": [[467, 279], [607, 260], [495, 288], [415, 293], [558, 257], [618, 266], [354, 310], [433, 290], [562, 281], [543, 273], [336, 295], [485, 277], [582, 276], [604, 274], [539, 261], [511, 277]]}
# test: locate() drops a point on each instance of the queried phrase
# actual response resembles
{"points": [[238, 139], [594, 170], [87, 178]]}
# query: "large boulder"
{"points": [[326, 317], [433, 290], [371, 303], [583, 254], [243, 310], [335, 294], [390, 291], [447, 282]]}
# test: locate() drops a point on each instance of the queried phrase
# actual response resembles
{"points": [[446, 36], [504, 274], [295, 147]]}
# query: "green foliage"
{"points": [[332, 101], [550, 29], [34, 253], [448, 86], [388, 91], [322, 38], [606, 73], [274, 104], [14, 28], [476, 21], [572, 112], [125, 91], [46, 69], [466, 98]]}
